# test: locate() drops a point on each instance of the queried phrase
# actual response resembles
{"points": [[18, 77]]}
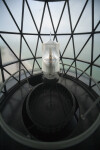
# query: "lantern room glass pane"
{"points": [[79, 41], [46, 25], [25, 51], [63, 40], [7, 54], [37, 10], [32, 41], [96, 73], [28, 64], [85, 54], [15, 45], [75, 9], [28, 24], [56, 9], [96, 11], [69, 50], [16, 9], [11, 69], [85, 23], [96, 46], [6, 22], [64, 26]]}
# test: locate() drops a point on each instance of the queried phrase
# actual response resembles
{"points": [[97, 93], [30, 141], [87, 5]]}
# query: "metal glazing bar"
{"points": [[76, 25], [7, 64], [83, 116], [87, 75], [51, 19], [11, 14], [9, 47], [38, 35], [10, 74], [88, 66], [6, 32], [30, 51], [84, 72], [44, 34], [2, 86], [72, 36], [55, 33], [35, 54], [83, 47], [33, 20], [2, 73], [14, 53], [92, 44], [67, 58], [60, 19], [22, 18], [20, 31], [95, 84]]}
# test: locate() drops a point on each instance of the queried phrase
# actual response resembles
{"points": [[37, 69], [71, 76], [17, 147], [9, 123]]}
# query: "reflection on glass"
{"points": [[7, 55], [11, 69], [15, 45], [25, 52], [28, 64]]}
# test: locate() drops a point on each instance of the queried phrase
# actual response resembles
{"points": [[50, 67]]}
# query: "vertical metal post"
{"points": [[39, 35], [21, 39], [2, 72], [72, 36], [92, 44]]}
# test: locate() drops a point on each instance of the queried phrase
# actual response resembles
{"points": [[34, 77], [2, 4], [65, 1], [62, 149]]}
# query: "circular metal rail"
{"points": [[51, 145]]}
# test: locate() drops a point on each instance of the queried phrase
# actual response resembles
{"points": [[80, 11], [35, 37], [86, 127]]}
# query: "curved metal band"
{"points": [[47, 145]]}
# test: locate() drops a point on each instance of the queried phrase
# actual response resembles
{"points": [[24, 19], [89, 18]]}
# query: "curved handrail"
{"points": [[86, 74], [2, 85], [96, 101]]}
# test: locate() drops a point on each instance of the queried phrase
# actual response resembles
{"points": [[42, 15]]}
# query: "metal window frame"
{"points": [[34, 57]]}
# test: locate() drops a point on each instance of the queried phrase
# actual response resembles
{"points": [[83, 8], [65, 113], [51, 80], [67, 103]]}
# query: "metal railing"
{"points": [[3, 84], [83, 116], [51, 145]]}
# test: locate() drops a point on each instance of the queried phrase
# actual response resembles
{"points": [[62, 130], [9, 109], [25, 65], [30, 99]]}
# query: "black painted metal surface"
{"points": [[12, 111]]}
